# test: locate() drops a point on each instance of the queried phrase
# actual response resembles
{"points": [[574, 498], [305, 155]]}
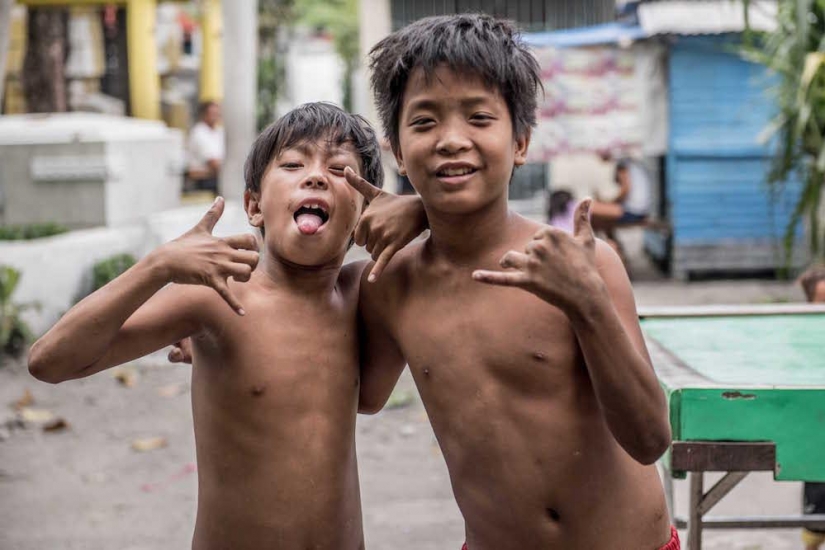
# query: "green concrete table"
{"points": [[746, 392]]}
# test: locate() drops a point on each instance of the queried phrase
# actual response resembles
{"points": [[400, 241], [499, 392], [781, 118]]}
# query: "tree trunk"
{"points": [[44, 81], [5, 37]]}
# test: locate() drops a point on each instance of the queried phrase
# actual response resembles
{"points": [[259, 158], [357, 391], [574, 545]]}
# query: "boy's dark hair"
{"points": [[559, 203], [475, 44], [810, 279], [311, 122]]}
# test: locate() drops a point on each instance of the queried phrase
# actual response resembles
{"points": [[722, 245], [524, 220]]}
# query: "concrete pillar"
{"points": [[211, 74], [144, 81], [375, 22], [240, 44]]}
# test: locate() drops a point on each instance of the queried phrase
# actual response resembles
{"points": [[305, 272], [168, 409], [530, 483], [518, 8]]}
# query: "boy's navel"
{"points": [[257, 390]]}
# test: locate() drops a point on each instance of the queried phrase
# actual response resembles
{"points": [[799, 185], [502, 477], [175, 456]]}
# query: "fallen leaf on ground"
{"points": [[25, 401], [172, 390], [149, 443], [127, 377], [56, 425], [189, 468], [37, 416]]}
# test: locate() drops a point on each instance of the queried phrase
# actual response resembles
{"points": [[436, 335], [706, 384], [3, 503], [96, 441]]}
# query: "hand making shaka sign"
{"points": [[556, 266]]}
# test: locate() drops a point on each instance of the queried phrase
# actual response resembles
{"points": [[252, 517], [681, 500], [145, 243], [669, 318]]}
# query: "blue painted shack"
{"points": [[722, 214], [715, 209]]}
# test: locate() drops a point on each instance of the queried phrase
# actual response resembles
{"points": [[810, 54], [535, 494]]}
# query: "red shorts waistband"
{"points": [[672, 545]]}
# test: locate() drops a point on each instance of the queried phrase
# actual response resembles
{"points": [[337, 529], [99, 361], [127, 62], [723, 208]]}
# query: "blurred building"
{"points": [[667, 84], [141, 58], [381, 17]]}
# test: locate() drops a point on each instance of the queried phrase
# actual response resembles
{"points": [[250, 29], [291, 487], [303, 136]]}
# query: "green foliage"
{"points": [[340, 19], [31, 231], [273, 15], [14, 333], [795, 52], [109, 269]]}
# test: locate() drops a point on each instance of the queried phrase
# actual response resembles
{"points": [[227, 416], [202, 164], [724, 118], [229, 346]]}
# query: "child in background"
{"points": [[813, 283]]}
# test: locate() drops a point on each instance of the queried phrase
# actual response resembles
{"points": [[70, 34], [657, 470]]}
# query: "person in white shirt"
{"points": [[205, 149]]}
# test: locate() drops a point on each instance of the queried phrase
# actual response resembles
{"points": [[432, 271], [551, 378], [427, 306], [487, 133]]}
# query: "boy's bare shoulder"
{"points": [[349, 278]]}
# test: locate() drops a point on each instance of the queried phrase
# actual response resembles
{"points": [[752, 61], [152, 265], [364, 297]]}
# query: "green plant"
{"points": [[108, 269], [30, 231], [14, 333], [795, 53], [273, 16]]}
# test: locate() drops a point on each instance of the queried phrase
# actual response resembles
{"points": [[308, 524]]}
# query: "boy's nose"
{"points": [[316, 181], [452, 142]]}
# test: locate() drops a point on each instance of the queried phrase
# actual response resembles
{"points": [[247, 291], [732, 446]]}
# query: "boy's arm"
{"points": [[389, 223], [116, 323], [586, 280], [381, 360]]}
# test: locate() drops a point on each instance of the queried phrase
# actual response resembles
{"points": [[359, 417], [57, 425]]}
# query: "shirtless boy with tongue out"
{"points": [[275, 383]]}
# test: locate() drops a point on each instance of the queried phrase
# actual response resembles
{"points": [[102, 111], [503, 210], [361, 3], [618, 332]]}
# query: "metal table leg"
{"points": [[694, 541]]}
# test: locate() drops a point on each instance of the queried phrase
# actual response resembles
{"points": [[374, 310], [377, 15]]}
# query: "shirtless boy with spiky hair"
{"points": [[523, 340]]}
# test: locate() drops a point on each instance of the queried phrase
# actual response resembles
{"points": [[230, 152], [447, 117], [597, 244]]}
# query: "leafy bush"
{"points": [[31, 231], [14, 333], [110, 268]]}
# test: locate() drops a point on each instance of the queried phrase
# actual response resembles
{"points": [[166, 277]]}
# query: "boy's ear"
{"points": [[522, 143], [400, 161], [252, 205]]}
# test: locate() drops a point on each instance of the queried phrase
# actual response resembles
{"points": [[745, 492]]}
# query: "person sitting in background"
{"points": [[813, 283], [631, 206], [205, 149], [561, 209]]}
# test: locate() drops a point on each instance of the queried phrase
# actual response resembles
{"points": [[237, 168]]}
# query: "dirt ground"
{"points": [[85, 487]]}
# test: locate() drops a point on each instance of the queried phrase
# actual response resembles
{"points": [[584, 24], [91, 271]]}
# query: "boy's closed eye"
{"points": [[483, 118], [422, 122]]}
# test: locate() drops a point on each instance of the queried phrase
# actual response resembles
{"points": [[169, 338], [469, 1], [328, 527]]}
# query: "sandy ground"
{"points": [[84, 487]]}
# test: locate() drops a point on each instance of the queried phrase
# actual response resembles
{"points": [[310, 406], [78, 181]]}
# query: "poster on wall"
{"points": [[598, 98]]}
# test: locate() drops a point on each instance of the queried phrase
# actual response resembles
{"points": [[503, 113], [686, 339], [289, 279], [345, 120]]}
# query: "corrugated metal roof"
{"points": [[609, 33], [706, 16]]}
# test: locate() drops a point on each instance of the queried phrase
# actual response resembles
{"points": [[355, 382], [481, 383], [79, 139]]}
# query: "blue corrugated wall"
{"points": [[715, 166]]}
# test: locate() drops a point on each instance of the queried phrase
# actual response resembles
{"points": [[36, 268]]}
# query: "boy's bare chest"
{"points": [[500, 331], [282, 346]]}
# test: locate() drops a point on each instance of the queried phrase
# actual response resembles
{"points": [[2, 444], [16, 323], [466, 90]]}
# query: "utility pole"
{"points": [[240, 71]]}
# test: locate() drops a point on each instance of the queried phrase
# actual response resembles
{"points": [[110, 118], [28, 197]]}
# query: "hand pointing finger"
{"points": [[367, 190]]}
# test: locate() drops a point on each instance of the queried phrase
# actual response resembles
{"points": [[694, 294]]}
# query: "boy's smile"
{"points": [[456, 141]]}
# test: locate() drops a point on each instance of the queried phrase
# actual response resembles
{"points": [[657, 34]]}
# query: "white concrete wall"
{"points": [[314, 72], [56, 270], [150, 178]]}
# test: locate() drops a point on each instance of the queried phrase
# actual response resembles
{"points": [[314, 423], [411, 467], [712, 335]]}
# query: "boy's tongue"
{"points": [[308, 224]]}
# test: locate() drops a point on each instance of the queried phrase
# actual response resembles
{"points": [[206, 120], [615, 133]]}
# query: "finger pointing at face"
{"points": [[367, 190]]}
